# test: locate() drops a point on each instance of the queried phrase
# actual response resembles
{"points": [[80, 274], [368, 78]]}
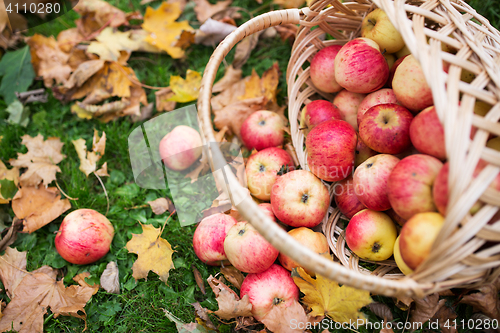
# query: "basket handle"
{"points": [[248, 208]]}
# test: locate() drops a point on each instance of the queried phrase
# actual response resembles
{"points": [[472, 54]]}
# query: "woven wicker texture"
{"points": [[458, 257]]}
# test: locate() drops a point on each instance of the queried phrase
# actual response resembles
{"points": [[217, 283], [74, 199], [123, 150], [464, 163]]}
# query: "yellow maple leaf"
{"points": [[326, 298], [154, 253], [164, 30], [265, 86], [89, 159], [110, 42], [185, 90]]}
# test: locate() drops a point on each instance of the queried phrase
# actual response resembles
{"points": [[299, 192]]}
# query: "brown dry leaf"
{"points": [[89, 159], [154, 253], [163, 102], [279, 318], [230, 305], [233, 275], [8, 174], [287, 32], [94, 14], [231, 76], [110, 278], [235, 114], [212, 32], [164, 29], [381, 310], [202, 313], [35, 294], [204, 9], [244, 49], [68, 38], [203, 166], [327, 298], [160, 205], [80, 279], [83, 72], [444, 316], [40, 160], [48, 60], [288, 4], [426, 308], [38, 206], [199, 280], [12, 269], [10, 235], [485, 300]]}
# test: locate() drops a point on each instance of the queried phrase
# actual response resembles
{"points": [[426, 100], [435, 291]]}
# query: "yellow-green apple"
{"points": [[269, 289], [363, 152], [377, 26], [403, 52], [410, 85], [262, 170], [345, 197], [360, 67], [417, 236], [262, 129], [348, 103], [386, 128], [427, 133], [299, 199], [180, 148], [370, 181], [323, 71], [382, 96], [403, 267], [371, 235], [84, 236], [247, 250], [393, 70], [331, 148], [208, 238], [317, 112], [409, 187], [314, 241]]}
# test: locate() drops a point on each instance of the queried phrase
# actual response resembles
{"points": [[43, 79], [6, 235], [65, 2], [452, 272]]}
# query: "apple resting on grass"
{"points": [[346, 199], [371, 235], [382, 96], [330, 150], [322, 69], [348, 104], [180, 148], [262, 170], [360, 67], [299, 199], [84, 236], [386, 128], [427, 133], [271, 288], [417, 236], [370, 181], [262, 129], [403, 267], [208, 238], [317, 112], [247, 250], [377, 26]]}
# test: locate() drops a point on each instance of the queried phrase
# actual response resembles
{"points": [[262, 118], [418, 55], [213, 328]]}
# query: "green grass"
{"points": [[139, 307]]}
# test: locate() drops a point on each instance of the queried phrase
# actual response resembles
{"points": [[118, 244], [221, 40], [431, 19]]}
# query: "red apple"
{"points": [[360, 67], [345, 197], [262, 129], [247, 250], [271, 288], [84, 236], [180, 148], [363, 152], [299, 199], [330, 150], [427, 133], [370, 181], [386, 128], [371, 235], [262, 170], [208, 238], [382, 96], [348, 104], [268, 209], [317, 112], [323, 71]]}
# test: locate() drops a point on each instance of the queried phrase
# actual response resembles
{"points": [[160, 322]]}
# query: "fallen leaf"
{"points": [[231, 76], [12, 269], [426, 308], [83, 72], [17, 72], [80, 279], [204, 9], [164, 29], [185, 90], [146, 113], [245, 48], [94, 14], [288, 4], [163, 102], [160, 205], [8, 177], [444, 316], [233, 275], [154, 253], [199, 280], [287, 32], [41, 160], [202, 313], [110, 42], [18, 114], [230, 305], [186, 328], [203, 166], [110, 278], [185, 39], [89, 159], [327, 298], [67, 39], [10, 235], [279, 319], [485, 300], [265, 86], [381, 310], [38, 206], [235, 114]]}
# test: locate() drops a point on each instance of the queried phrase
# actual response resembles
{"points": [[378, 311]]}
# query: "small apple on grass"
{"points": [[180, 148], [377, 26], [271, 288], [247, 250], [371, 235], [262, 170], [317, 112], [427, 133], [208, 238], [299, 199], [346, 198], [382, 96], [348, 104], [323, 71], [84, 236], [262, 129]]}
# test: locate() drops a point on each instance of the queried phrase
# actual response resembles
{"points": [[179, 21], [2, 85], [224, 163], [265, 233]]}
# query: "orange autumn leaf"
{"points": [[96, 13], [204, 9]]}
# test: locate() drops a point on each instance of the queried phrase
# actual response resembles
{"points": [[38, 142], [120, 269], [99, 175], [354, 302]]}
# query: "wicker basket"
{"points": [[457, 259]]}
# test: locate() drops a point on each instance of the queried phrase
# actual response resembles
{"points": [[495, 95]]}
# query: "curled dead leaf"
{"points": [[80, 279], [426, 308], [212, 32], [230, 305], [94, 14], [279, 319], [485, 300], [199, 280], [204, 9], [163, 102], [110, 278], [231, 76], [233, 275], [161, 205], [89, 159], [245, 48]]}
